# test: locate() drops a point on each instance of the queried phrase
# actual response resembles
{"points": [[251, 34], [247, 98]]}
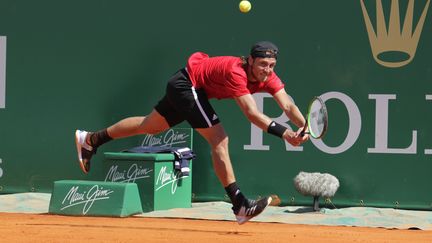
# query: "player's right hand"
{"points": [[302, 137], [291, 137]]}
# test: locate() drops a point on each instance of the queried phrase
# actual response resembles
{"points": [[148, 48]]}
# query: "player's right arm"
{"points": [[248, 105]]}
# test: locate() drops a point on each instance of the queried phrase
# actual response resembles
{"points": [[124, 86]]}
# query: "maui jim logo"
{"points": [[167, 179], [167, 139], [74, 197], [132, 174], [393, 46]]}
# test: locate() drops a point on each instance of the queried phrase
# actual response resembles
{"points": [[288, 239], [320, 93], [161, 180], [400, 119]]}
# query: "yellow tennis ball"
{"points": [[245, 6]]}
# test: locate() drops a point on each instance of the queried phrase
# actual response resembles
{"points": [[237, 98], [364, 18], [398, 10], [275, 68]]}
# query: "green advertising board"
{"points": [[160, 185], [95, 198], [88, 64]]}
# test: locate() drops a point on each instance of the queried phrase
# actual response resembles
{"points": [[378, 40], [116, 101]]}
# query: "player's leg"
{"points": [[243, 208], [160, 119], [218, 141], [205, 121], [154, 123], [88, 142]]}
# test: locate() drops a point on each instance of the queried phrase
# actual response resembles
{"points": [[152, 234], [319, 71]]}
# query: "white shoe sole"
{"points": [[78, 146], [243, 219]]}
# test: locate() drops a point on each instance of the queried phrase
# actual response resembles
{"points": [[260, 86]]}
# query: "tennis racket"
{"points": [[316, 119]]}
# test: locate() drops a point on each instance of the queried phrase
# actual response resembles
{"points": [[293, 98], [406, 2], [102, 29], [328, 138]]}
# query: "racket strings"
{"points": [[317, 120]]}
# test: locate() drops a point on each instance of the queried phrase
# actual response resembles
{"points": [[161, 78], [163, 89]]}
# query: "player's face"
{"points": [[262, 68]]}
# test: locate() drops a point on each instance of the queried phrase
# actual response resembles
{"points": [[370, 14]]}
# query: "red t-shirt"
{"points": [[224, 77]]}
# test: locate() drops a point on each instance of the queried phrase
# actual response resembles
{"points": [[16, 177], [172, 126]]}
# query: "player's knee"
{"points": [[224, 142], [221, 146]]}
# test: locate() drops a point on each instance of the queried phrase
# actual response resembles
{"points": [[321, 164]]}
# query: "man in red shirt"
{"points": [[187, 98]]}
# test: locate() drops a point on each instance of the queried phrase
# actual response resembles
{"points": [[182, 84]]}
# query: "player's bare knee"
{"points": [[224, 142], [221, 146]]}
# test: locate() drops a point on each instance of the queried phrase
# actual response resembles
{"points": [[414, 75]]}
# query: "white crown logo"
{"points": [[388, 42]]}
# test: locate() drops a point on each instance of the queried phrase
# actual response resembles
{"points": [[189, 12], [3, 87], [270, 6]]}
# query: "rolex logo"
{"points": [[394, 45]]}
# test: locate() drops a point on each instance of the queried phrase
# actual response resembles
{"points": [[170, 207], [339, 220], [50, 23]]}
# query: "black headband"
{"points": [[264, 49]]}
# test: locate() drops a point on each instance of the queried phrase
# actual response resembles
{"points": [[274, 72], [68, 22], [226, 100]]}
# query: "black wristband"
{"points": [[276, 129]]}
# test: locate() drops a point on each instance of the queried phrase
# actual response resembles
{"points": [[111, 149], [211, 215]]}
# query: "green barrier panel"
{"points": [[95, 198], [369, 59], [160, 185]]}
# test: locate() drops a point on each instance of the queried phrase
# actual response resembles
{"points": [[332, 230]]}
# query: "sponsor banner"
{"points": [[85, 197], [173, 137]]}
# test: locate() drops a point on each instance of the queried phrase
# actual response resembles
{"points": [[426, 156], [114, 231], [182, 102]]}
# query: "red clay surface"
{"points": [[54, 228]]}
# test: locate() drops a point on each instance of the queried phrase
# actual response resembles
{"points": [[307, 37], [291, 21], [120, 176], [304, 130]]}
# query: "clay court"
{"points": [[53, 228]]}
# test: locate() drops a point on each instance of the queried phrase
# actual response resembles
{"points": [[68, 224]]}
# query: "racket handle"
{"points": [[302, 133]]}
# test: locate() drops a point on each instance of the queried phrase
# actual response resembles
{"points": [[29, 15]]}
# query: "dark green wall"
{"points": [[87, 64]]}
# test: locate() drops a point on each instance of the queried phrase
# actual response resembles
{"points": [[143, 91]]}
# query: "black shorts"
{"points": [[182, 102]]}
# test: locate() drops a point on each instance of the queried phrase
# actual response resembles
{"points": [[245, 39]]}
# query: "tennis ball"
{"points": [[245, 6]]}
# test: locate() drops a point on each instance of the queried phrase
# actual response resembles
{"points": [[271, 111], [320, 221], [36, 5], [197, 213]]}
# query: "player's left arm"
{"points": [[290, 109]]}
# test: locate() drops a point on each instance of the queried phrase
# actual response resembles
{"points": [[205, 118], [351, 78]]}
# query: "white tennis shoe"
{"points": [[251, 208], [85, 151]]}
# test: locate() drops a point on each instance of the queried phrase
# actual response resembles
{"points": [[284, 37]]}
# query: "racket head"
{"points": [[317, 119]]}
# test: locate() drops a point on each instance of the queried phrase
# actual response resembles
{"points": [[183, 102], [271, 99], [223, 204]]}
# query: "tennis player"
{"points": [[187, 98]]}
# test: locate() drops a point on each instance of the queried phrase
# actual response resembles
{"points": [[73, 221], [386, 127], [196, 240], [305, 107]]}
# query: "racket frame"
{"points": [[303, 132]]}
